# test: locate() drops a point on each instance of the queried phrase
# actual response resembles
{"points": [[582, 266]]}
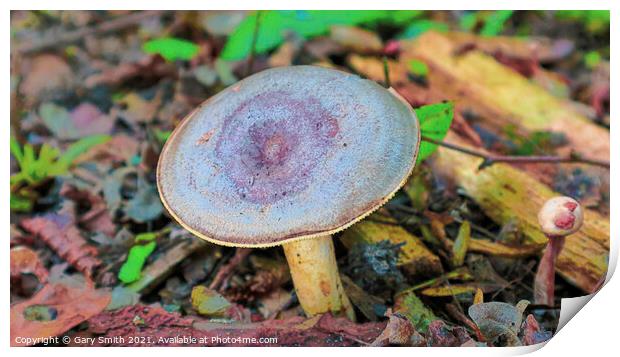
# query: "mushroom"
{"points": [[558, 217], [290, 156]]}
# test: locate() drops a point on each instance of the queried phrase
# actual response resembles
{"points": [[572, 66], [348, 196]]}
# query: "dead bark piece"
{"points": [[162, 328], [502, 96], [505, 193], [414, 256], [60, 233]]}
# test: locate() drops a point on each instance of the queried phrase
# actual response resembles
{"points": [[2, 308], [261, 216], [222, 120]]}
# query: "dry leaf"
{"points": [[67, 306], [356, 39], [45, 77], [60, 233], [25, 261]]}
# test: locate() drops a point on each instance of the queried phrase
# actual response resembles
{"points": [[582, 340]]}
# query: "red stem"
{"points": [[544, 283]]}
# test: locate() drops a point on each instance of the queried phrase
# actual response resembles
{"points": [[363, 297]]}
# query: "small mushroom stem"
{"points": [[315, 275], [544, 282]]}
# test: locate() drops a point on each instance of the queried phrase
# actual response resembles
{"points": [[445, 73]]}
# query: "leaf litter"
{"points": [[85, 141]]}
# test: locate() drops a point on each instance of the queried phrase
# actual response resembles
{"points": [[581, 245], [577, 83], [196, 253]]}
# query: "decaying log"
{"points": [[415, 258], [501, 95], [506, 193]]}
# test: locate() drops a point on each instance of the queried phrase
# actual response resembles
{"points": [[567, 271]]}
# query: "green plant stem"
{"points": [[250, 63]]}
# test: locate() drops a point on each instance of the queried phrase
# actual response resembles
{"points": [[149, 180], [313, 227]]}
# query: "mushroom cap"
{"points": [[560, 216], [286, 154]]}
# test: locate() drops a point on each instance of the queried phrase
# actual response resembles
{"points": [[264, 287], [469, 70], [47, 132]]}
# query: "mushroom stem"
{"points": [[315, 275], [544, 283]]}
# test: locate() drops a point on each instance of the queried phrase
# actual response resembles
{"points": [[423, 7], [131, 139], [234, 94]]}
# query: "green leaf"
{"points": [[172, 49], [20, 204], [16, 150], [435, 120], [592, 59], [274, 26], [80, 147], [595, 20], [461, 243], [132, 268], [418, 27], [145, 237], [418, 68], [162, 135], [494, 24], [468, 21]]}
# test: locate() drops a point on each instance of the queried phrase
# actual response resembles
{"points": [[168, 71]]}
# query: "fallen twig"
{"points": [[54, 39], [224, 273], [490, 159]]}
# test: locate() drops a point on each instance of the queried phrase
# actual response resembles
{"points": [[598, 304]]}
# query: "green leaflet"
{"points": [[494, 24], [171, 48], [49, 162], [274, 25], [435, 120], [418, 68], [132, 268]]}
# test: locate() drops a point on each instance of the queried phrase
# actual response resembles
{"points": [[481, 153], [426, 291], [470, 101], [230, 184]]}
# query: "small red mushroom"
{"points": [[559, 217]]}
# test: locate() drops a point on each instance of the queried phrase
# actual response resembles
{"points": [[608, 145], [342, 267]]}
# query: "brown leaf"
{"points": [[284, 55], [322, 48], [89, 120], [398, 331], [441, 335], [356, 39], [45, 77], [97, 218], [372, 68], [60, 233], [532, 332], [25, 261], [67, 306], [121, 148], [140, 110]]}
